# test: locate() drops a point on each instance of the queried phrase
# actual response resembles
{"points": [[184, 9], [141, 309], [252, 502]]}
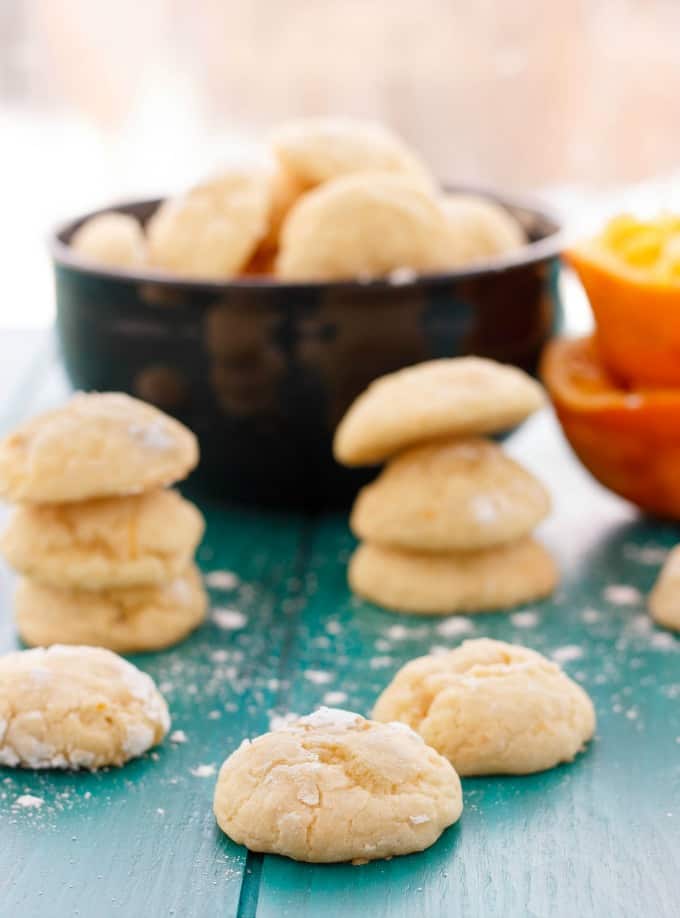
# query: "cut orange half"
{"points": [[631, 275], [629, 439]]}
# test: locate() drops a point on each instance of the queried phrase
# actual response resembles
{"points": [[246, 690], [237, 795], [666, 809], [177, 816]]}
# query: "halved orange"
{"points": [[629, 439], [631, 275]]}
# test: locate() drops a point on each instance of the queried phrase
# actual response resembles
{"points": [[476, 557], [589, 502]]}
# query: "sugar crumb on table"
{"points": [[229, 619], [453, 626], [567, 653], [221, 580], [622, 594]]}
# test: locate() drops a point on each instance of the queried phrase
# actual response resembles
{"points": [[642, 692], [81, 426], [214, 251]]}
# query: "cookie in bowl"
{"points": [[214, 228], [317, 150], [111, 239], [363, 225]]}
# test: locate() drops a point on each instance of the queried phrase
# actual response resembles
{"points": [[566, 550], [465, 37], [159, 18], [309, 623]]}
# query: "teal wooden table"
{"points": [[598, 838]]}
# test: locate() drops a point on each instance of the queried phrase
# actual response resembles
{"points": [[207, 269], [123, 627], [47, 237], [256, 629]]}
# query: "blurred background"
{"points": [[577, 102]]}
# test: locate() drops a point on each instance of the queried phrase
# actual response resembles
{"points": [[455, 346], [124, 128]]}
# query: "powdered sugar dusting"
{"points": [[454, 626], [419, 820], [645, 554], [525, 619], [399, 727], [567, 653], [153, 435], [334, 698], [484, 509], [229, 619], [330, 717], [309, 796], [622, 594], [397, 632], [662, 640], [221, 580], [180, 591], [281, 721], [318, 676], [29, 802], [139, 738], [400, 276], [380, 662], [203, 771]]}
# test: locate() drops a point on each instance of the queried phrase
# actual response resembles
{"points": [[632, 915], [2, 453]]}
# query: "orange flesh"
{"points": [[631, 274]]}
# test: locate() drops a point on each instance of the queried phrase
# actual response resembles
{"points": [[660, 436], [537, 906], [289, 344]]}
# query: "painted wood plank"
{"points": [[599, 837], [142, 839]]}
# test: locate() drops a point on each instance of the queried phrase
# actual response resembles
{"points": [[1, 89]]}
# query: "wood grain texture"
{"points": [[599, 837], [144, 836]]}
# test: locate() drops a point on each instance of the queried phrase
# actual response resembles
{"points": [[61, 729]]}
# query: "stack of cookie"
{"points": [[446, 527], [104, 550]]}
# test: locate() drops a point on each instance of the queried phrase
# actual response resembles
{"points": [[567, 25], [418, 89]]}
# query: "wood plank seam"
{"points": [[252, 874], [250, 886], [297, 592]]}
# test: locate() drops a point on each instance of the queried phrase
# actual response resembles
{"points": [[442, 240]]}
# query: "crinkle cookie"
{"points": [[98, 444], [450, 495], [110, 542], [111, 239], [451, 397], [212, 230], [316, 150], [480, 228], [335, 787], [664, 600], [76, 707], [488, 580], [364, 225], [132, 620], [491, 708]]}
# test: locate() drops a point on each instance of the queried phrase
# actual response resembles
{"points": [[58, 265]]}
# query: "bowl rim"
{"points": [[540, 250]]}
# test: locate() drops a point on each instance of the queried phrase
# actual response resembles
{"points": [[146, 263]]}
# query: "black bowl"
{"points": [[263, 371]]}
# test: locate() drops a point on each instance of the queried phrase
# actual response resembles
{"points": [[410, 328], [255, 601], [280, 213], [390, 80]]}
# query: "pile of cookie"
{"points": [[104, 549], [447, 525], [325, 199]]}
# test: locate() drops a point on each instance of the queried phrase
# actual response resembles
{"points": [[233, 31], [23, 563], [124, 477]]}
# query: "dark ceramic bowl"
{"points": [[263, 371]]}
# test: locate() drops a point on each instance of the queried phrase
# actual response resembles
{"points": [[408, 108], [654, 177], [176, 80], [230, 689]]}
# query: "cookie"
{"points": [[362, 226], [454, 495], [664, 600], [213, 229], [317, 150], [132, 620], [451, 397], [111, 239], [76, 707], [98, 444], [285, 190], [335, 787], [480, 229], [112, 542], [491, 708], [489, 580]]}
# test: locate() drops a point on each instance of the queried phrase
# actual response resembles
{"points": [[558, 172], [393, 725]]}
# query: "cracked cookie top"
{"points": [[334, 786]]}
